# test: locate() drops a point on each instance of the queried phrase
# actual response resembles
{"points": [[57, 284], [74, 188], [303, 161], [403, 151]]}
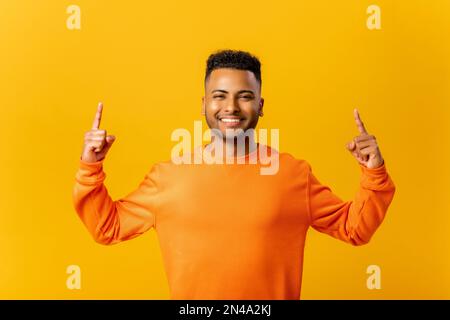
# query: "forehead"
{"points": [[230, 79]]}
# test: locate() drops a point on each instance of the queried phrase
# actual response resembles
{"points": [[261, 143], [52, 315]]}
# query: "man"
{"points": [[225, 230]]}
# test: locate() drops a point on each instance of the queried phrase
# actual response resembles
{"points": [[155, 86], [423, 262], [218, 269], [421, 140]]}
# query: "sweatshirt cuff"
{"points": [[90, 173], [374, 171], [376, 178], [93, 166]]}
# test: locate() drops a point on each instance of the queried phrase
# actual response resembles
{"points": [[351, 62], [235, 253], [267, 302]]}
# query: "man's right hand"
{"points": [[96, 142]]}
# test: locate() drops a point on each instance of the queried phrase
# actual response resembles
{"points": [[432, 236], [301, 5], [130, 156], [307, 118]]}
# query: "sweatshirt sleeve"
{"points": [[108, 221], [354, 221]]}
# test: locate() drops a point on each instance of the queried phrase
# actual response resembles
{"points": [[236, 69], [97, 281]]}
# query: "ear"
{"points": [[261, 105], [203, 106]]}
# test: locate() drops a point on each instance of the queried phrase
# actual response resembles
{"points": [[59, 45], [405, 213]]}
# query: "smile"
{"points": [[231, 122], [228, 120]]}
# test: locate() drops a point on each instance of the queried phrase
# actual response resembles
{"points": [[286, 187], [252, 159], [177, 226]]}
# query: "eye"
{"points": [[247, 97], [219, 96]]}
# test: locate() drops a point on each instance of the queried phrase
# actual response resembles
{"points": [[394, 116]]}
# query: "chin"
{"points": [[233, 133]]}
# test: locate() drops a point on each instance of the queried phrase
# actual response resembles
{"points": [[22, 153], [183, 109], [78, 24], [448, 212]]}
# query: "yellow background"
{"points": [[146, 61]]}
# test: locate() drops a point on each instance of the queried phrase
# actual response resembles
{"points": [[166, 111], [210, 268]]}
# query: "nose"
{"points": [[232, 106]]}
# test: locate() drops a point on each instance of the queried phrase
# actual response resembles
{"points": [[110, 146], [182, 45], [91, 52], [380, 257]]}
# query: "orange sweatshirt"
{"points": [[226, 231]]}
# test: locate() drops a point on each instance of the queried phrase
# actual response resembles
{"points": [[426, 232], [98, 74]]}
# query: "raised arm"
{"points": [[354, 221], [109, 221]]}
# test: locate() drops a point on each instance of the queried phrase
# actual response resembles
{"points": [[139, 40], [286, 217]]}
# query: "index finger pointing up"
{"points": [[359, 123], [98, 117]]}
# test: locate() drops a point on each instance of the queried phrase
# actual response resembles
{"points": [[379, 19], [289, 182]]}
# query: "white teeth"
{"points": [[230, 120]]}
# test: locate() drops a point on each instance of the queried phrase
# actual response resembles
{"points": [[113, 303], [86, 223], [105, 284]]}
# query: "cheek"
{"points": [[250, 109], [212, 109]]}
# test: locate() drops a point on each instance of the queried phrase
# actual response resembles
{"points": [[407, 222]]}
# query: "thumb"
{"points": [[109, 142], [351, 146]]}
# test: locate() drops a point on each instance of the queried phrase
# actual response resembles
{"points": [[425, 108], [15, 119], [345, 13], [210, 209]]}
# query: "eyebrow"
{"points": [[239, 92]]}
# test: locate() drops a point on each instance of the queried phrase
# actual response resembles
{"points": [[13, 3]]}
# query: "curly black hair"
{"points": [[236, 59]]}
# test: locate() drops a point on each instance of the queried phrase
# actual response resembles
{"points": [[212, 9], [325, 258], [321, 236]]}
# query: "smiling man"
{"points": [[225, 230], [232, 103]]}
